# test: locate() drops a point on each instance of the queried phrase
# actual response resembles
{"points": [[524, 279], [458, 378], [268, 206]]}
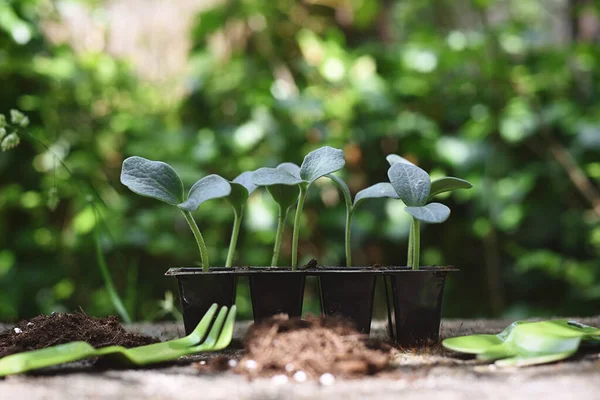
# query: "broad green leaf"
{"points": [[291, 168], [207, 188], [154, 179], [343, 188], [433, 213], [238, 196], [284, 195], [396, 159], [241, 188], [274, 176], [411, 183], [447, 184], [245, 179], [378, 190], [321, 162]]}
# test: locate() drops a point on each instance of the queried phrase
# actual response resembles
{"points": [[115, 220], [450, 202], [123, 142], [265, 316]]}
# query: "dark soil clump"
{"points": [[59, 328], [314, 346]]}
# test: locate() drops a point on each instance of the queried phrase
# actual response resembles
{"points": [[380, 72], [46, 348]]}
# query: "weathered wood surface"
{"points": [[425, 374]]}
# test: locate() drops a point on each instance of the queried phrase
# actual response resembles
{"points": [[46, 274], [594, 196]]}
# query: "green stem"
{"points": [[280, 225], [416, 244], [237, 221], [348, 247], [108, 282], [301, 197], [411, 234], [199, 239]]}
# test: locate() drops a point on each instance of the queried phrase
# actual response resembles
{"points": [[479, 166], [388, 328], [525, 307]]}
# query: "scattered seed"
{"points": [[29, 324], [17, 330], [202, 362], [289, 367], [327, 379], [279, 380], [250, 364], [300, 376], [233, 363]]}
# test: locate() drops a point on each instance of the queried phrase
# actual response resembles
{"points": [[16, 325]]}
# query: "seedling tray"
{"points": [[414, 297]]}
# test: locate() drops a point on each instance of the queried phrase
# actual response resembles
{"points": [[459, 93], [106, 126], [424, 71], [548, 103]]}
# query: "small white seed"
{"points": [[289, 367], [232, 363], [17, 330], [250, 364]]}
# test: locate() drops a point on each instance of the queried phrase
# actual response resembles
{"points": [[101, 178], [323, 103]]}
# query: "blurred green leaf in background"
{"points": [[502, 93]]}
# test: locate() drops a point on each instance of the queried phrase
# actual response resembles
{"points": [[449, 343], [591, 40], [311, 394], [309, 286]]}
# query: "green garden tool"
{"points": [[526, 343], [218, 338]]}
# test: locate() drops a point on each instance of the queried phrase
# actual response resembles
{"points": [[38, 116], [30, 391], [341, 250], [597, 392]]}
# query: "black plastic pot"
{"points": [[348, 293], [198, 290], [275, 291], [414, 301]]}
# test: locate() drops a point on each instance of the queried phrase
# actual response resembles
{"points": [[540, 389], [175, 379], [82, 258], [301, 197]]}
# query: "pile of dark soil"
{"points": [[58, 328], [314, 346]]}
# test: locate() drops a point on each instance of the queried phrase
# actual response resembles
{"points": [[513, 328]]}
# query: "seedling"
{"points": [[241, 188], [316, 164], [378, 190], [159, 180], [414, 187]]}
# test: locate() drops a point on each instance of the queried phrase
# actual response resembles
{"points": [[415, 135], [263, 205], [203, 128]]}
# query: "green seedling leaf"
{"points": [[241, 188], [396, 159], [207, 188], [274, 176], [343, 188], [291, 168], [378, 190], [284, 195], [433, 213], [321, 162], [447, 184], [154, 179], [411, 183]]}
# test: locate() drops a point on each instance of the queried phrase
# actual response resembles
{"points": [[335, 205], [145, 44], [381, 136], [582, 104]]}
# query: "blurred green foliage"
{"points": [[482, 90]]}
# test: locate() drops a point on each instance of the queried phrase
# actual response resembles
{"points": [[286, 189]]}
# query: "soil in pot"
{"points": [[58, 328], [309, 349]]}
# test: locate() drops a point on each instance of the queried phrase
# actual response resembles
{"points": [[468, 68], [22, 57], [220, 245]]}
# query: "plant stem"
{"points": [[301, 197], [237, 221], [199, 239], [411, 234], [280, 225], [348, 247], [108, 282], [416, 244]]}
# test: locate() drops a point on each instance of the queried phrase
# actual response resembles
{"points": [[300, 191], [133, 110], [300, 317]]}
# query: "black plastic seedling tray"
{"points": [[414, 297]]}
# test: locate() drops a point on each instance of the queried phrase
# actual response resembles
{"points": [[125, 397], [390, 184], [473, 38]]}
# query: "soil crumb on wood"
{"points": [[58, 328], [309, 348]]}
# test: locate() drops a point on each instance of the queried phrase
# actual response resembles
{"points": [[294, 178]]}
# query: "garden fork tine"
{"points": [[162, 352], [219, 337]]}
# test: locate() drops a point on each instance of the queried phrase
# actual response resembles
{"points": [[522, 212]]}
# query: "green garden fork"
{"points": [[218, 338]]}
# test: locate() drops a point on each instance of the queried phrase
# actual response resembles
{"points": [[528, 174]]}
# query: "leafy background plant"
{"points": [[501, 93]]}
